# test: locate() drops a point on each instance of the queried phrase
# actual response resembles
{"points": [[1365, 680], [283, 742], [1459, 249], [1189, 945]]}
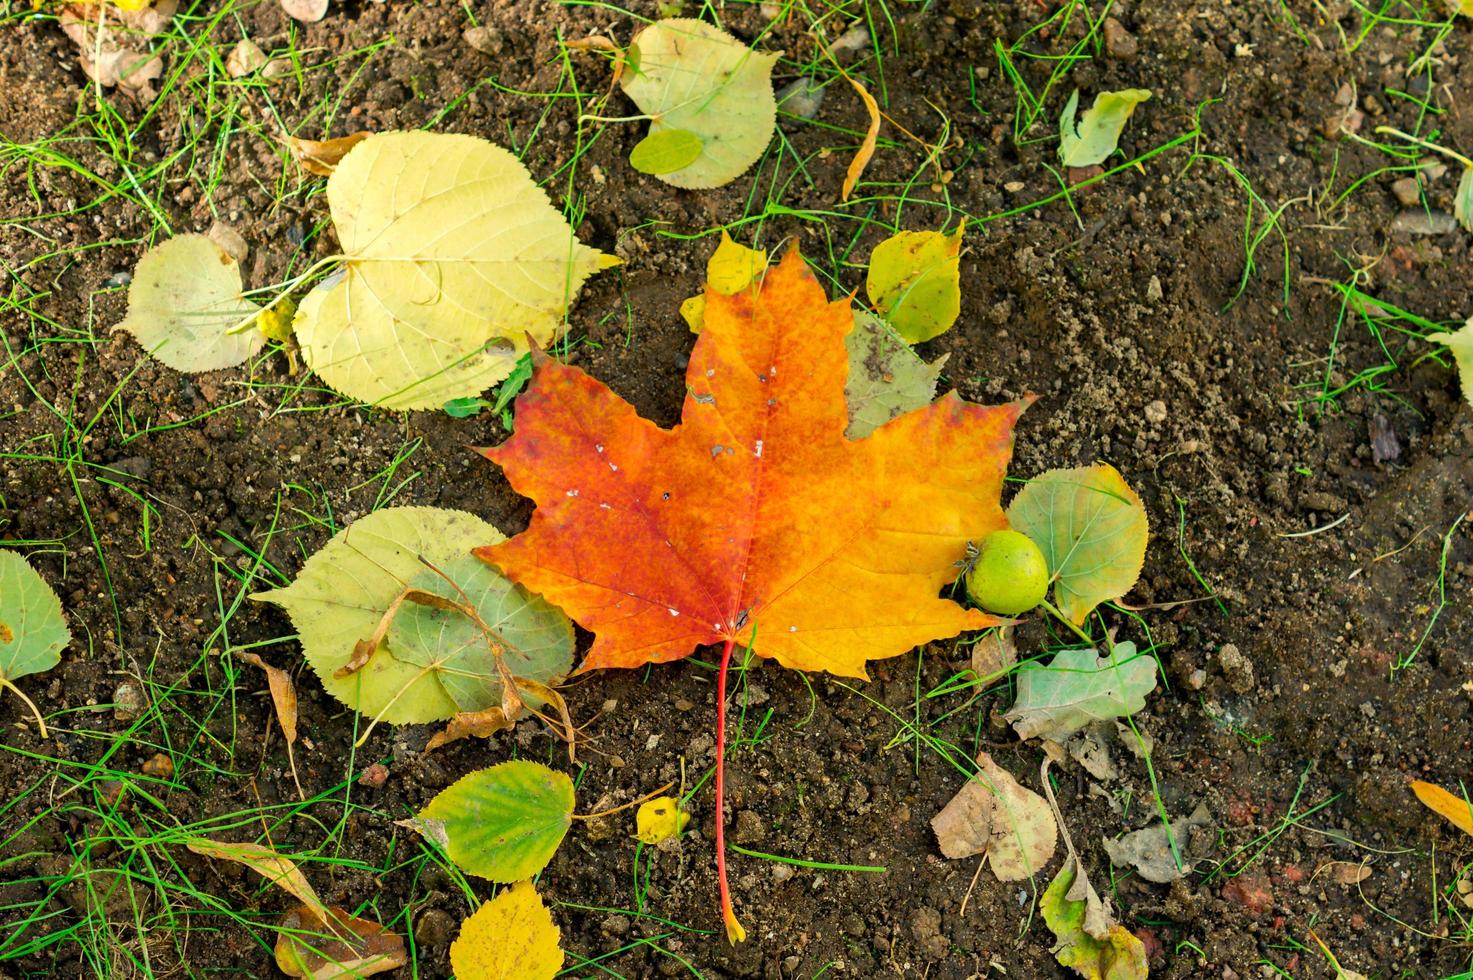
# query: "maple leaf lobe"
{"points": [[755, 510]]}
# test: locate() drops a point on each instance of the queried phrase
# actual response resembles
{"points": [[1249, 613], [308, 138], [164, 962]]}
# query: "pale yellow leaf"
{"points": [[1461, 344], [659, 820], [511, 937], [280, 871], [1449, 806], [452, 258]]}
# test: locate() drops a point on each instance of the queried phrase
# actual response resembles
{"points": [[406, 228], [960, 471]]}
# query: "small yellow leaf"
{"points": [[1454, 809], [659, 820], [511, 937], [275, 323], [914, 282], [693, 312], [731, 268]]}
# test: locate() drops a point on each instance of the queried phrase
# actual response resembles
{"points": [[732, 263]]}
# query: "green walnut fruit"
{"points": [[1009, 575]]}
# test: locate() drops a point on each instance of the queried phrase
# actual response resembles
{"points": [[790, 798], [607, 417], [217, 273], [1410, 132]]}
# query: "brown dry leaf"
{"points": [[994, 654], [321, 157], [993, 813], [244, 58], [281, 872], [1454, 809], [867, 148], [284, 699], [307, 946], [113, 44], [231, 242], [307, 11], [597, 42], [471, 724], [1347, 872]]}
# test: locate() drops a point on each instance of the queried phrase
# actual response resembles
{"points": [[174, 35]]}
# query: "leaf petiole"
{"points": [[734, 931], [6, 684], [1053, 610]]}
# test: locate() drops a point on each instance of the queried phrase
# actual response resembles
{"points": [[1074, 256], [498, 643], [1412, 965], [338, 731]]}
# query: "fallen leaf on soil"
{"points": [[659, 820], [231, 242], [1461, 344], [421, 663], [914, 282], [756, 509], [511, 937], [994, 654], [1093, 756], [1149, 850], [1077, 688], [321, 157], [1117, 955], [731, 268], [688, 75], [1463, 200], [307, 11], [112, 43], [307, 946], [452, 257], [886, 378], [503, 823], [184, 300], [1097, 133], [665, 152], [280, 871], [994, 814], [866, 150], [1465, 889], [1455, 809], [245, 58], [33, 631], [471, 724], [1092, 529], [284, 699]]}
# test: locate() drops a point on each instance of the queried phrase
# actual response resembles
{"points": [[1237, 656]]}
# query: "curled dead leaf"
{"points": [[280, 871], [471, 724], [336, 947], [284, 700], [871, 136], [321, 157], [113, 44]]}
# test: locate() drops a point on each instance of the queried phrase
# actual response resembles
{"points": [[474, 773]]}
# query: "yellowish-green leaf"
{"points": [[275, 323], [184, 300], [511, 937], [433, 662], [452, 257], [687, 74], [914, 282], [1119, 955], [665, 151], [33, 631], [280, 871], [1460, 343], [731, 268], [886, 378], [659, 820], [503, 823], [350, 947], [1091, 527], [1097, 133], [1463, 200]]}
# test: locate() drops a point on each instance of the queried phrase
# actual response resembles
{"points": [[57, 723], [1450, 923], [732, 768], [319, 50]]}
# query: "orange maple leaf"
{"points": [[754, 516]]}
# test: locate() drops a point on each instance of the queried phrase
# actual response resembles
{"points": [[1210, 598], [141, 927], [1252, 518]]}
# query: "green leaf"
{"points": [[452, 257], [1097, 133], [502, 823], [1092, 529], [688, 75], [424, 671], [1118, 955], [886, 378], [1463, 200], [1461, 344], [33, 631], [464, 408], [1078, 688], [184, 298], [914, 282], [538, 638], [665, 151]]}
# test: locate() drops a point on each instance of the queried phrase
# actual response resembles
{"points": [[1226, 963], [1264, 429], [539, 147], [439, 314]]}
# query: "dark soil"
{"points": [[1121, 318]]}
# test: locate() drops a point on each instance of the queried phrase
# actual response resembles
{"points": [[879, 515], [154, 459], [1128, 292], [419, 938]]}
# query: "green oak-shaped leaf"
{"points": [[1078, 688], [538, 638], [914, 282], [1116, 955], [665, 151], [886, 378], [343, 591], [184, 300], [502, 823], [33, 631], [1097, 133], [1092, 529], [1461, 344], [688, 75]]}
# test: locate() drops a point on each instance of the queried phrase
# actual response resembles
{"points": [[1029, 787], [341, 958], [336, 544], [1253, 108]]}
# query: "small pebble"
{"points": [[374, 776], [1407, 191], [434, 928], [1120, 44], [128, 701], [159, 767]]}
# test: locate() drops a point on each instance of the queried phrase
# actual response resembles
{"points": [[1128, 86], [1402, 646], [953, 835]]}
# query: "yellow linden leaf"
{"points": [[276, 323], [452, 257], [914, 282], [511, 937], [659, 820], [731, 268], [688, 75]]}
